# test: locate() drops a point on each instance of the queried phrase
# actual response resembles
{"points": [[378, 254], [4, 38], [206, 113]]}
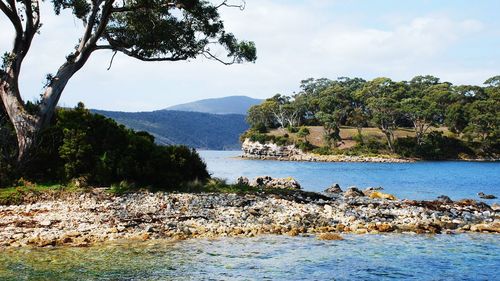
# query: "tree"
{"points": [[147, 30], [385, 113], [422, 113]]}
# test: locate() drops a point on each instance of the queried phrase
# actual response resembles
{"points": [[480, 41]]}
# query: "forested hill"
{"points": [[225, 105], [194, 129]]}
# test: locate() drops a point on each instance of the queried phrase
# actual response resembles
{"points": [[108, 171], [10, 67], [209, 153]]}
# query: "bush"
{"points": [[435, 146], [304, 145], [82, 144], [323, 150], [292, 129]]}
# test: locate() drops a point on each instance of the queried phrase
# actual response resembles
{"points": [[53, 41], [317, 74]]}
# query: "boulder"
{"points": [[380, 195], [330, 236], [353, 192], [280, 183], [370, 190], [486, 196], [444, 199], [334, 189], [242, 181]]}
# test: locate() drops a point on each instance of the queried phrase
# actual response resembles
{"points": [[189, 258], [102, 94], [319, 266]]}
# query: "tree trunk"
{"points": [[26, 126]]}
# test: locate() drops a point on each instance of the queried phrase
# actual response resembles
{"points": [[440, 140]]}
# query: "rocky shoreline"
{"points": [[271, 151], [83, 219]]}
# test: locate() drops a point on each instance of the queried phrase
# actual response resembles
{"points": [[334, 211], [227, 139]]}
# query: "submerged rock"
{"points": [[330, 236], [486, 196]]}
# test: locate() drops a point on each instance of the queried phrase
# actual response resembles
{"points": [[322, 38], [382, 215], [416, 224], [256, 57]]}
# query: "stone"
{"points": [[486, 196], [242, 181], [280, 183], [444, 199], [334, 189], [380, 195], [492, 227], [370, 190], [330, 236], [353, 192], [45, 223]]}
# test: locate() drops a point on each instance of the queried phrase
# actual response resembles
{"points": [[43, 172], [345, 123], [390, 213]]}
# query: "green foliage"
{"points": [[194, 129], [82, 144], [424, 102], [122, 188], [292, 129], [435, 146], [304, 145]]}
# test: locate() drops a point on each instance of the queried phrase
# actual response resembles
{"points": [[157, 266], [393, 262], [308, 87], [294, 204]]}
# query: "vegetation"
{"points": [[174, 30], [94, 150], [443, 120], [194, 129]]}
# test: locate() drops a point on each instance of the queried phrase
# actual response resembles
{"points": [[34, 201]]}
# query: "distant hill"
{"points": [[225, 105], [194, 129]]}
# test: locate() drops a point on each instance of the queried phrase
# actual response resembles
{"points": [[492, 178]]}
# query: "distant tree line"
{"points": [[470, 112]]}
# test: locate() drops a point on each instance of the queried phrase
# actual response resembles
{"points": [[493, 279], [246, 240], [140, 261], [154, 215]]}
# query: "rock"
{"points": [[486, 196], [280, 183], [492, 227], [353, 192], [380, 195], [334, 189], [385, 227], [370, 190], [444, 199], [242, 181], [495, 207], [45, 223], [330, 236]]}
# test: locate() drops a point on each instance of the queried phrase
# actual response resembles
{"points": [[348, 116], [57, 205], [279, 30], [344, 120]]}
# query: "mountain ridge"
{"points": [[225, 105]]}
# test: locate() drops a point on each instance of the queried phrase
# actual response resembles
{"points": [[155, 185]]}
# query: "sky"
{"points": [[458, 41]]}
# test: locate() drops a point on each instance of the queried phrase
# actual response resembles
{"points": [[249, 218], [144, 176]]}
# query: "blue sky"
{"points": [[458, 41]]}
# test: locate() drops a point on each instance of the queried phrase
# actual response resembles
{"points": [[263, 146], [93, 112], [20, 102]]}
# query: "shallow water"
{"points": [[420, 180], [358, 257]]}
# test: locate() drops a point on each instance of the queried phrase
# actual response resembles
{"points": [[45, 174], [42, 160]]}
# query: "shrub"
{"points": [[304, 145], [435, 146], [292, 129], [82, 144]]}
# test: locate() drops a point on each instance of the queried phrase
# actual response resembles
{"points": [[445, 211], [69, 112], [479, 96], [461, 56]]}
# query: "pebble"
{"points": [[85, 219]]}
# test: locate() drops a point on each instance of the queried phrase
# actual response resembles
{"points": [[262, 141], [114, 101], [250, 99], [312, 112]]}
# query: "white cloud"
{"points": [[294, 40]]}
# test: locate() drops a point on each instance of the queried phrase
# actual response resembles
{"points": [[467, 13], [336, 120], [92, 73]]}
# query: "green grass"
{"points": [[17, 194]]}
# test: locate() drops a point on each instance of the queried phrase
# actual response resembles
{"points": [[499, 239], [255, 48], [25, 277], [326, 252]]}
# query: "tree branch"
{"points": [[138, 56], [225, 4], [13, 17], [210, 56]]}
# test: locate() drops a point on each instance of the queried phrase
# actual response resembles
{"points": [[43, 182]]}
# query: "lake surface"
{"points": [[358, 257], [419, 180]]}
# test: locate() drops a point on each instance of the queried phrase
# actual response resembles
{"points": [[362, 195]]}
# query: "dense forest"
{"points": [[447, 120], [193, 129]]}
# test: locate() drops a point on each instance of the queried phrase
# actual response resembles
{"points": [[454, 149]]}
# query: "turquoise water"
{"points": [[358, 257], [420, 180]]}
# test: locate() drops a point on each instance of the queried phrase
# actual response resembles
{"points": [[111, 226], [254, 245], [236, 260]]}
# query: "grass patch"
{"points": [[19, 194]]}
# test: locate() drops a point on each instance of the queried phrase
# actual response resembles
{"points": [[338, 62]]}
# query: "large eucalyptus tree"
{"points": [[148, 30]]}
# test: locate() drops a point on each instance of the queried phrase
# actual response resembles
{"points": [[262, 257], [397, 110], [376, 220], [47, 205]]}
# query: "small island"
{"points": [[354, 120]]}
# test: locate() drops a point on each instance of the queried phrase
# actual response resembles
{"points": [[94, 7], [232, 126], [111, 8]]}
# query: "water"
{"points": [[358, 257], [419, 180]]}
